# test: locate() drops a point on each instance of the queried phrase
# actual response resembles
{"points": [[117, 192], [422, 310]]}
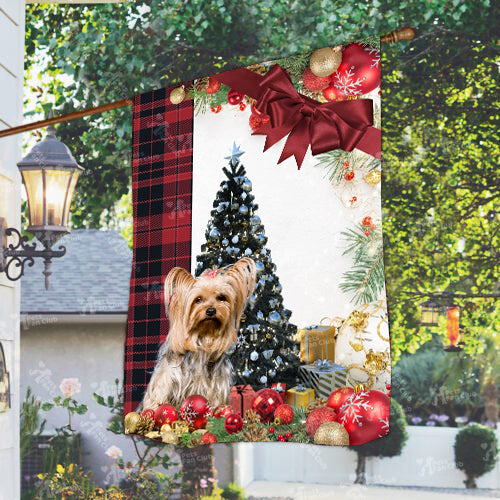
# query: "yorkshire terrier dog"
{"points": [[204, 316]]}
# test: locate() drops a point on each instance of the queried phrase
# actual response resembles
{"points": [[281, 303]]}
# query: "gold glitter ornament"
{"points": [[180, 427], [144, 425], [375, 362], [131, 420], [277, 421], [373, 177], [325, 61], [358, 320], [165, 428], [170, 437], [177, 95], [199, 432], [332, 434], [153, 435]]}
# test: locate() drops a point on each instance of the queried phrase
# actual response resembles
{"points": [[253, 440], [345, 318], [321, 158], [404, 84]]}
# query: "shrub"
{"points": [[476, 452]]}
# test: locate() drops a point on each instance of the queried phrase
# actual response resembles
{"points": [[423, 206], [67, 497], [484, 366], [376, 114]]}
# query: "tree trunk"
{"points": [[197, 463], [470, 482], [361, 470]]}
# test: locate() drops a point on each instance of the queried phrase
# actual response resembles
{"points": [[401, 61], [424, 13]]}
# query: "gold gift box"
{"points": [[299, 396], [317, 342]]}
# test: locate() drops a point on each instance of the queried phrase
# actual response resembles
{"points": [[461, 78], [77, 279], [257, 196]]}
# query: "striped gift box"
{"points": [[323, 376]]}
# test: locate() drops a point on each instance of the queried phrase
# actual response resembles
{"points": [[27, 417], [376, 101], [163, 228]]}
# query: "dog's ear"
{"points": [[244, 272], [177, 282]]}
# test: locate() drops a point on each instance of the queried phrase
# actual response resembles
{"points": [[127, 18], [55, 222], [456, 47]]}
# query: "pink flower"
{"points": [[70, 387], [114, 452], [203, 483]]}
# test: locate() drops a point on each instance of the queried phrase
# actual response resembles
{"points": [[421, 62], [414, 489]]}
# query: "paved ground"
{"points": [[260, 490]]}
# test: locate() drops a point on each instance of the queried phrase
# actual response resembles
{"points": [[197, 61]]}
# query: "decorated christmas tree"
{"points": [[265, 351]]}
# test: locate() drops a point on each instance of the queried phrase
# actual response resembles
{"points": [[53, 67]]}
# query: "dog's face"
{"points": [[205, 313]]}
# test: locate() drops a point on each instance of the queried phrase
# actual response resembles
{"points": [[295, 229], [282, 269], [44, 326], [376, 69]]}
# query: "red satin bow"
{"points": [[324, 126]]}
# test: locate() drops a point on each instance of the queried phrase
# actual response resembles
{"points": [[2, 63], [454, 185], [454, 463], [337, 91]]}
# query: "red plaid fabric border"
{"points": [[162, 171]]}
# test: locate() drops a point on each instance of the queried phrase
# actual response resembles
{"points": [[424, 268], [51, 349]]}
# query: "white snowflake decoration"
{"points": [[346, 82], [241, 341], [190, 414], [384, 429], [375, 53], [352, 407]]}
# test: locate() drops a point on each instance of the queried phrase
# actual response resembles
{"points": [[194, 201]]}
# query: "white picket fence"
{"points": [[427, 460]]}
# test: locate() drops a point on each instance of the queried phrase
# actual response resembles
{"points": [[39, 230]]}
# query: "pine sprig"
{"points": [[366, 278], [295, 65], [203, 102], [371, 41], [334, 161]]}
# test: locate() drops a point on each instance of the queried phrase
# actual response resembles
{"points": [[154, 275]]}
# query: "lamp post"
{"points": [[50, 173], [429, 313]]}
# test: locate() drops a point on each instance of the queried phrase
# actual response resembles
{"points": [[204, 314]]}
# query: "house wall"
{"points": [[11, 88]]}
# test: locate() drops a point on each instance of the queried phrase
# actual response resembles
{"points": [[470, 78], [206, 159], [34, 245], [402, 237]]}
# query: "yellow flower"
{"points": [[40, 476], [60, 469], [70, 468]]}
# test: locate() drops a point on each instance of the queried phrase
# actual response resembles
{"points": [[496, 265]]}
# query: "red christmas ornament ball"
{"points": [[148, 413], [359, 72], [367, 232], [265, 402], [222, 411], [365, 416], [213, 86], [233, 423], [285, 412], [313, 82], [332, 93], [317, 417], [367, 221], [338, 397], [165, 414], [257, 121], [243, 106], [208, 438], [234, 97], [388, 387], [195, 411]]}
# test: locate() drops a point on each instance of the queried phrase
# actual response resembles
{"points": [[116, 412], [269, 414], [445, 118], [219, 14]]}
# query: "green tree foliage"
{"points": [[440, 183], [476, 452], [438, 106]]}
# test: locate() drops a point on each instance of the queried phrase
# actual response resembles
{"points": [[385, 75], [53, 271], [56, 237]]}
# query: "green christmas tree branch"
{"points": [[366, 279]]}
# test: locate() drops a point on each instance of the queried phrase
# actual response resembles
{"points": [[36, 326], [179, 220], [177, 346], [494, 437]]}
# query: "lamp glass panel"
{"points": [[71, 192], [55, 194], [34, 190]]}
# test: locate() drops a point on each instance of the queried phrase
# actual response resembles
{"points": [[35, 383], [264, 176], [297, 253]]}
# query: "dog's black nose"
{"points": [[211, 311]]}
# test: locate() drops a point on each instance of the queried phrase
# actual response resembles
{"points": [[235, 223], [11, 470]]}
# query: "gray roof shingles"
{"points": [[92, 278]]}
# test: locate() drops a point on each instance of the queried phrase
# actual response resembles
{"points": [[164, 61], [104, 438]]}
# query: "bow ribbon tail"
{"points": [[297, 142]]}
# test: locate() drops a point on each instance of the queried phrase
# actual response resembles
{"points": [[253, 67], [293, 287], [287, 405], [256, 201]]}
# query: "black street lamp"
{"points": [[50, 173]]}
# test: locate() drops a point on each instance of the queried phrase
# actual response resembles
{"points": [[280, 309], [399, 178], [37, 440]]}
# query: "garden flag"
{"points": [[257, 298]]}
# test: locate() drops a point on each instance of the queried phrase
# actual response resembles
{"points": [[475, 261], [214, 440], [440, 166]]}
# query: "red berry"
{"points": [[288, 435], [354, 198], [389, 393], [216, 109], [271, 429], [213, 86], [313, 82], [346, 163], [367, 232], [373, 226], [367, 221], [243, 106], [388, 387], [349, 176], [281, 436]]}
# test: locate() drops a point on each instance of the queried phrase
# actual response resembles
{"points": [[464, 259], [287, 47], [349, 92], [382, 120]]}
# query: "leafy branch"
{"points": [[366, 278]]}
